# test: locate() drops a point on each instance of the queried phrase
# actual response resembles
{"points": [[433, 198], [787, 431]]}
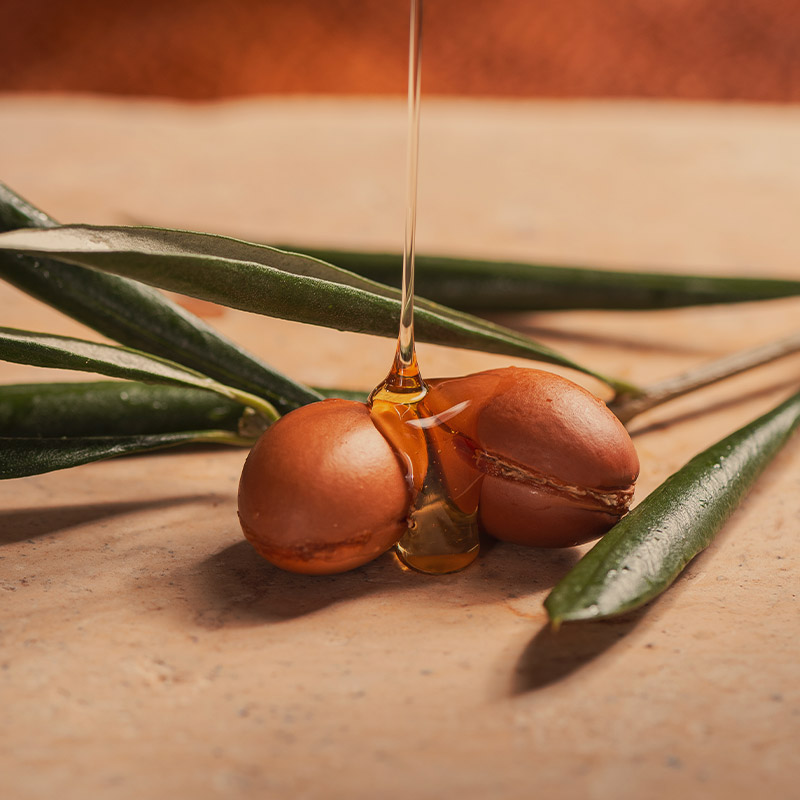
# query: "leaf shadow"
{"points": [[720, 405], [551, 656], [523, 324], [21, 524], [237, 587]]}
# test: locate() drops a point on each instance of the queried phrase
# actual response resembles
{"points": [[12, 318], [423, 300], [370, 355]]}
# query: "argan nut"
{"points": [[558, 467], [322, 491]]}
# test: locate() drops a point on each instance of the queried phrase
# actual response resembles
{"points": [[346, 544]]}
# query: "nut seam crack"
{"points": [[610, 501]]}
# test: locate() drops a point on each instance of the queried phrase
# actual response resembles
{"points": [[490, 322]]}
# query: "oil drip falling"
{"points": [[442, 533]]}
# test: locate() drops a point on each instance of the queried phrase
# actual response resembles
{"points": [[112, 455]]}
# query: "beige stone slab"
{"points": [[146, 651]]}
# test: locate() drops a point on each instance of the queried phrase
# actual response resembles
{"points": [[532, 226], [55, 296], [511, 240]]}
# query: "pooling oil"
{"points": [[442, 534]]}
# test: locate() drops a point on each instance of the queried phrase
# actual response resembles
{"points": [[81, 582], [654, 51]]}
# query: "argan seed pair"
{"points": [[323, 491]]}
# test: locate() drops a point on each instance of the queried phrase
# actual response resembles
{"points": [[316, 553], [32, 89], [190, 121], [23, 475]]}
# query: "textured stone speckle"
{"points": [[147, 651]]}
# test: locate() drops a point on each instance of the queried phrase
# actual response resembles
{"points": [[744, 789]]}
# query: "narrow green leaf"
{"points": [[105, 408], [343, 394], [643, 554], [137, 316], [21, 456], [482, 285], [16, 212], [267, 281], [65, 352]]}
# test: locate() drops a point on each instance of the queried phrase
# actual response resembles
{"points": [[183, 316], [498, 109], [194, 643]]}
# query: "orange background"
{"points": [[204, 49]]}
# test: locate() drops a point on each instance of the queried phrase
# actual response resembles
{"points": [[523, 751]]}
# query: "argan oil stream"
{"points": [[442, 533]]}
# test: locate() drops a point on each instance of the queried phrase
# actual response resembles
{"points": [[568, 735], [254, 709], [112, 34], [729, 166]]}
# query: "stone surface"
{"points": [[146, 651]]}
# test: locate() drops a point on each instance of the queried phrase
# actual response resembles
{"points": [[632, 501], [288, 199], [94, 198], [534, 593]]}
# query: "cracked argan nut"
{"points": [[322, 491], [558, 468]]}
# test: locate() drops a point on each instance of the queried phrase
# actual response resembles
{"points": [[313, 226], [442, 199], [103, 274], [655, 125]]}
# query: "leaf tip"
{"points": [[559, 611]]}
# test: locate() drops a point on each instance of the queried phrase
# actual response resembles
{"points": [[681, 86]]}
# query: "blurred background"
{"points": [[206, 49]]}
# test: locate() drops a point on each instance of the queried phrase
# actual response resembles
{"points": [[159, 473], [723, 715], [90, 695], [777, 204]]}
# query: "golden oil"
{"points": [[442, 533]]}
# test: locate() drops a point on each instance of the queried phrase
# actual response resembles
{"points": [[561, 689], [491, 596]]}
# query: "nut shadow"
{"points": [[21, 524], [236, 587]]}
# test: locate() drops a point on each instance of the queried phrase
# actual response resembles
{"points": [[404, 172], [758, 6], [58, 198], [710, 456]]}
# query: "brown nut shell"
{"points": [[558, 466], [515, 512], [322, 491]]}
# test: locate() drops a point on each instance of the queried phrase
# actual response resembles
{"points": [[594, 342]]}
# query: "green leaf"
{"points": [[65, 352], [267, 281], [481, 285], [137, 316], [105, 408], [23, 456], [16, 212], [357, 395], [643, 554]]}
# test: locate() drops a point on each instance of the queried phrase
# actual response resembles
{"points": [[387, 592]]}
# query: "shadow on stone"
{"points": [[708, 409], [20, 524], [552, 656], [237, 587], [525, 322]]}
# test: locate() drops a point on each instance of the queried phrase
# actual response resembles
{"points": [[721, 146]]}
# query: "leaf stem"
{"points": [[223, 437], [627, 405], [263, 407]]}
